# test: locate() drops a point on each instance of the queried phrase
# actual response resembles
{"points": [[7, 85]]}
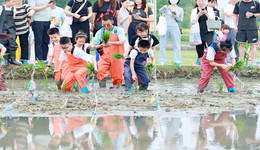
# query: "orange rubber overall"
{"points": [[56, 54], [106, 62], [75, 72]]}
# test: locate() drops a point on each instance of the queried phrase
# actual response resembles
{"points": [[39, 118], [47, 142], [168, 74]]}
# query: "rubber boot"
{"points": [[13, 60], [232, 90], [102, 83], [5, 62], [84, 90]]}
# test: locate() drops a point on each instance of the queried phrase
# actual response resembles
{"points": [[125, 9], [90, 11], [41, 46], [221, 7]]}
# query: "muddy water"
{"points": [[225, 130], [177, 96]]}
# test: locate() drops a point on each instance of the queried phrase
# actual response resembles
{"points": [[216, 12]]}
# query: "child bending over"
{"points": [[76, 59], [215, 56], [134, 65]]}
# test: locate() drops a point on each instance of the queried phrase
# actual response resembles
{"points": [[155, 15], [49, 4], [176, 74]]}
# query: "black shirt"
{"points": [[135, 39], [105, 9], [75, 5], [241, 8]]}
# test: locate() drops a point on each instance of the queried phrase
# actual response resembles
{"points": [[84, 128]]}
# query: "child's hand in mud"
{"points": [[134, 77], [46, 70], [95, 72]]}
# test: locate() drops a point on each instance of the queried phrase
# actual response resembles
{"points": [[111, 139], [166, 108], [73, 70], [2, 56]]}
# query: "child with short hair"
{"points": [[215, 55], [222, 34], [142, 31], [54, 53], [80, 39], [2, 83], [134, 65], [76, 59], [7, 25]]}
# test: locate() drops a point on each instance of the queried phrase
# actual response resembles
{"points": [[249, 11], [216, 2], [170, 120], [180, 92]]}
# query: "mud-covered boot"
{"points": [[13, 60], [143, 88], [102, 83], [5, 62]]}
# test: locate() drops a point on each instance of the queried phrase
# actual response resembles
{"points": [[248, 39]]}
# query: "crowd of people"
{"points": [[128, 25]]}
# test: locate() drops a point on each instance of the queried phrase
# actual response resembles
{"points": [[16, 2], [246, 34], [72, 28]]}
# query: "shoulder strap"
{"points": [[81, 7], [115, 29], [73, 48], [83, 47], [146, 11], [53, 43]]}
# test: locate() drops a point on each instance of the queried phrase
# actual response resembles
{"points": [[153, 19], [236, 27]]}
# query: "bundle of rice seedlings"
{"points": [[239, 65], [117, 56], [106, 36], [91, 68]]}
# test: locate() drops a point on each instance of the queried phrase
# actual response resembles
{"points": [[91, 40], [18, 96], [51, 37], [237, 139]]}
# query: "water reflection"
{"points": [[227, 130]]}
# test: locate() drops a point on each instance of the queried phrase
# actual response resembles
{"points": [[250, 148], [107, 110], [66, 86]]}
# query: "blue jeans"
{"points": [[175, 34], [141, 74], [232, 35], [42, 39]]}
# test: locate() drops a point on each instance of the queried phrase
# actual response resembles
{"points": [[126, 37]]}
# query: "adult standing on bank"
{"points": [[102, 7], [174, 15], [229, 20], [40, 26], [246, 12], [124, 16], [140, 12], [201, 14], [81, 10], [22, 27]]}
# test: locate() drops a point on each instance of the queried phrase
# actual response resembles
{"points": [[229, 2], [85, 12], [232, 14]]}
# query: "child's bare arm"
{"points": [[133, 69], [153, 60], [50, 59], [224, 66], [154, 49], [61, 64], [127, 50], [94, 62], [3, 50]]}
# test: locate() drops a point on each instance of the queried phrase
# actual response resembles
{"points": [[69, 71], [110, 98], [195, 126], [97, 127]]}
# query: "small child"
{"points": [[222, 34], [76, 59], [142, 31], [54, 53], [80, 39], [2, 83], [134, 64], [7, 25], [215, 55]]}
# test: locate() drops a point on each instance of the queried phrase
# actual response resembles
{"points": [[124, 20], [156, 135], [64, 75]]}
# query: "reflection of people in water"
{"points": [[57, 128], [7, 133], [21, 134]]}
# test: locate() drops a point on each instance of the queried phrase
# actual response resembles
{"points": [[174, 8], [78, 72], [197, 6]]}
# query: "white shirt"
{"points": [[86, 45], [78, 53], [229, 20], [134, 53], [211, 53], [51, 49]]}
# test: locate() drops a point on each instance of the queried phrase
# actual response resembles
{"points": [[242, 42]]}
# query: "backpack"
{"points": [[146, 12]]}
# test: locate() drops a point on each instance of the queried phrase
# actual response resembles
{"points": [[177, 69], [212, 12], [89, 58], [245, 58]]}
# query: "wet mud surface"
{"points": [[176, 96]]}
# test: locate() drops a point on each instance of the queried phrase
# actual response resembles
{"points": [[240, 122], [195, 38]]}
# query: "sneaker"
{"points": [[115, 86], [200, 90], [177, 64], [128, 90], [142, 88], [84, 90], [231, 90], [102, 83], [25, 62]]}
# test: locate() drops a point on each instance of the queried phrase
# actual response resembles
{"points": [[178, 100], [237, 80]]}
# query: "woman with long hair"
{"points": [[124, 16], [140, 12], [174, 15], [200, 14], [81, 18], [102, 7]]}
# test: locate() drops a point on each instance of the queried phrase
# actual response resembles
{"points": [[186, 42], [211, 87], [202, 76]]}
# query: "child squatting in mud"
{"points": [[215, 55], [76, 59], [134, 65]]}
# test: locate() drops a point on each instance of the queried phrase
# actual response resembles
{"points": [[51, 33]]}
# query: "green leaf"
{"points": [[106, 36], [220, 86], [239, 65], [46, 81], [91, 68], [117, 56], [149, 68]]}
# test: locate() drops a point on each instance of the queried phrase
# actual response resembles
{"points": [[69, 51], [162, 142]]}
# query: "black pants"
{"points": [[200, 49], [42, 39], [131, 30], [77, 26], [24, 43]]}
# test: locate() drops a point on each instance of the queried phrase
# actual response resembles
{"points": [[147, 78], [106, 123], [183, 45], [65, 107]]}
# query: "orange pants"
{"points": [[116, 67], [73, 76]]}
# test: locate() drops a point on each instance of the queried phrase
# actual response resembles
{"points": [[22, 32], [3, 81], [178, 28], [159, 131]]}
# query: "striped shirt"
{"points": [[21, 22]]}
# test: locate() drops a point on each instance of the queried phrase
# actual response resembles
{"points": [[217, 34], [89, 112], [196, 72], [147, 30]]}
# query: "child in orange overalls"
{"points": [[115, 45], [76, 59], [2, 83], [54, 53]]}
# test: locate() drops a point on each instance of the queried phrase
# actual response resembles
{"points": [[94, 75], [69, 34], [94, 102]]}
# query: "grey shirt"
{"points": [[172, 21], [42, 15], [123, 15]]}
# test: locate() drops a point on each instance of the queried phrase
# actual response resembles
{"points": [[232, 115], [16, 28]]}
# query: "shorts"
{"points": [[250, 36]]}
